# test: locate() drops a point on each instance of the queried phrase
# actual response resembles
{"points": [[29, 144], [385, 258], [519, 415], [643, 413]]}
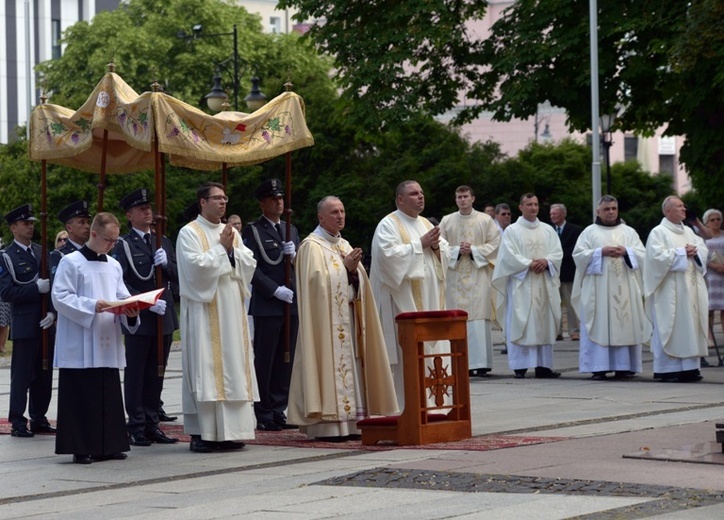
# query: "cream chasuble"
{"points": [[610, 292], [528, 304], [468, 284], [406, 278], [219, 383], [677, 302], [341, 371]]}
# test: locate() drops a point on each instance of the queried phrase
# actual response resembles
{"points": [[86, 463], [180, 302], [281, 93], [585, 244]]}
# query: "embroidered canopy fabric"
{"points": [[189, 136]]}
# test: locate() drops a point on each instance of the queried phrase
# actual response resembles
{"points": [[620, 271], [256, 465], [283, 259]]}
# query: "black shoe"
{"points": [[42, 428], [268, 427], [229, 445], [546, 373], [21, 431], [82, 459], [336, 438], [354, 437], [159, 437], [139, 439], [599, 376], [504, 351], [704, 362], [164, 417], [114, 456], [623, 374], [197, 445], [484, 372], [520, 373], [287, 426], [559, 337]]}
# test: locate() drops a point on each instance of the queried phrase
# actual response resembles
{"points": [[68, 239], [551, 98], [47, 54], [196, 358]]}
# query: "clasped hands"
{"points": [[352, 259], [613, 251], [539, 265], [431, 239], [691, 250]]}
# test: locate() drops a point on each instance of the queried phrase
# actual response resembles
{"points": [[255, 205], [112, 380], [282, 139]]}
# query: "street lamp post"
{"points": [[217, 97], [607, 121]]}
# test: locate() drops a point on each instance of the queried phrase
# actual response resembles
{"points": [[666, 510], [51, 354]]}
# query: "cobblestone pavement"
{"points": [[667, 499]]}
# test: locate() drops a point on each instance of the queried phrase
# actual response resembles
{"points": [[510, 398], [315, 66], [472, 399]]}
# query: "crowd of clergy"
{"points": [[281, 332]]}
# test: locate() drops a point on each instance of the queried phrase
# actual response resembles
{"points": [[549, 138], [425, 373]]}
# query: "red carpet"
{"points": [[295, 439]]}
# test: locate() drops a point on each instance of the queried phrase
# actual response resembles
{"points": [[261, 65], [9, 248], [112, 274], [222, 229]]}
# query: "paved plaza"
{"points": [[623, 449]]}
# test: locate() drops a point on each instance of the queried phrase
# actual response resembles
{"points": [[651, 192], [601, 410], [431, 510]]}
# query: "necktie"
{"points": [[30, 252], [279, 231], [559, 230], [147, 238]]}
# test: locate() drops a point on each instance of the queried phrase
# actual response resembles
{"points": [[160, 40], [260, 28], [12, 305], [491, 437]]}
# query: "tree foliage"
{"points": [[396, 57]]}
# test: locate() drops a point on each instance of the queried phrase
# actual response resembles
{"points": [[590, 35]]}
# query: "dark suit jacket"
{"points": [[142, 258], [569, 237], [267, 277], [25, 298]]}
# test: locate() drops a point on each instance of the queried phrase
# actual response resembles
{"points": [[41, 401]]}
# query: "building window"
{"points": [[55, 39], [275, 25], [630, 148], [666, 164]]}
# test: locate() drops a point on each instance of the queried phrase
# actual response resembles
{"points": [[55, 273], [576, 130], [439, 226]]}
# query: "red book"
{"points": [[139, 301]]}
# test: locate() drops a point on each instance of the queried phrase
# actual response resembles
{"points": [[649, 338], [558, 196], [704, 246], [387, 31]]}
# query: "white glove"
{"points": [[160, 307], [284, 294], [47, 322], [289, 248], [160, 258], [43, 285]]}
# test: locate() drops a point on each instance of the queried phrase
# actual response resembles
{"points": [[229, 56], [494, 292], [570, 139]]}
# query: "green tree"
{"points": [[397, 57]]}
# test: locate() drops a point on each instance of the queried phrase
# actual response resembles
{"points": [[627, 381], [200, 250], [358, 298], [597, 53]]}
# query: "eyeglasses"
{"points": [[111, 241], [64, 239], [222, 198]]}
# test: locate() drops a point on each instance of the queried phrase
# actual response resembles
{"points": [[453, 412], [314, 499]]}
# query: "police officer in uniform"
{"points": [[21, 286], [136, 252], [76, 219], [268, 241]]}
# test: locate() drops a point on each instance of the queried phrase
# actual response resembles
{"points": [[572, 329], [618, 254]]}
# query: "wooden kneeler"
{"points": [[422, 422]]}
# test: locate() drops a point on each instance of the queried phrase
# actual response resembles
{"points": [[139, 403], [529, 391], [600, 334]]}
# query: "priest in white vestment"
{"points": [[409, 265], [474, 239], [219, 385], [341, 371], [607, 292], [529, 304], [677, 302]]}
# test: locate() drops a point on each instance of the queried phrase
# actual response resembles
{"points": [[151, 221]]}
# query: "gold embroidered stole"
{"points": [[417, 284], [215, 328]]}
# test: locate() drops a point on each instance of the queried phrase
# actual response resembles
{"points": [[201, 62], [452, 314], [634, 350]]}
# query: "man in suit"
{"points": [[21, 286], [568, 234], [76, 221], [142, 384], [267, 239]]}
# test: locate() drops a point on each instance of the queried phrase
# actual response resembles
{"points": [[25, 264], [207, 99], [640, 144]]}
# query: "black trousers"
{"points": [[272, 373], [142, 385], [27, 377], [90, 412]]}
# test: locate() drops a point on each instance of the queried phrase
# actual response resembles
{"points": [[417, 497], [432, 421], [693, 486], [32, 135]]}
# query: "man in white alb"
{"points": [[409, 265], [219, 386], [529, 304], [474, 239], [677, 302], [607, 293]]}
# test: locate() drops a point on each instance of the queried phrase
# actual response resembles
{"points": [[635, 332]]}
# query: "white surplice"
{"points": [[677, 302], [406, 278], [219, 383], [468, 284], [528, 304], [608, 294], [86, 338]]}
